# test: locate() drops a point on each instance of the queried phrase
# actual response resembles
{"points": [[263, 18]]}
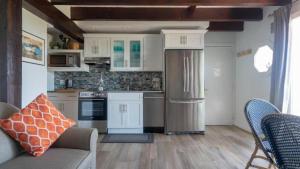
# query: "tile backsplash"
{"points": [[112, 80]]}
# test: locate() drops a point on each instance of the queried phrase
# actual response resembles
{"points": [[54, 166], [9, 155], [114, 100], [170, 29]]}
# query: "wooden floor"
{"points": [[222, 147]]}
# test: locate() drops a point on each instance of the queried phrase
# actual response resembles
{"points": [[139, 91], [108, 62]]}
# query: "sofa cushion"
{"points": [[37, 126], [54, 158]]}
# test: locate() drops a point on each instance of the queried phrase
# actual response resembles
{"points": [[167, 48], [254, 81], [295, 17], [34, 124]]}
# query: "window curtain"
{"points": [[280, 83]]}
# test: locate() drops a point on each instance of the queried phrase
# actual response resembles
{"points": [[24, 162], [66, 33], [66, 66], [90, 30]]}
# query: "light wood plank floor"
{"points": [[222, 147]]}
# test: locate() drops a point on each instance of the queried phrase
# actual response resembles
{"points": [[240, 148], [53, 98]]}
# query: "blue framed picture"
{"points": [[33, 49]]}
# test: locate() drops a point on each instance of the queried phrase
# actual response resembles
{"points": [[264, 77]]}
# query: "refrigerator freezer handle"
{"points": [[187, 101]]}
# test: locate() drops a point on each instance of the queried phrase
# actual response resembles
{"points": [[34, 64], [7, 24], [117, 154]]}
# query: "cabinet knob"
{"points": [[183, 40]]}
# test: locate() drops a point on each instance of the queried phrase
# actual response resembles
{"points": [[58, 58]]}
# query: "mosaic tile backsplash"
{"points": [[135, 81]]}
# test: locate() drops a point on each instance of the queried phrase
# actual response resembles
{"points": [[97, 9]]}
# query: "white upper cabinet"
{"points": [[183, 39], [153, 53], [127, 54], [96, 47]]}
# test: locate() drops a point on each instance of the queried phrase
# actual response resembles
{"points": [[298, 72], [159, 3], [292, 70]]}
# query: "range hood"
{"points": [[103, 62]]}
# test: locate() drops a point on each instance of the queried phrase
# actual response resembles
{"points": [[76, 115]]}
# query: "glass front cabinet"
{"points": [[127, 54]]}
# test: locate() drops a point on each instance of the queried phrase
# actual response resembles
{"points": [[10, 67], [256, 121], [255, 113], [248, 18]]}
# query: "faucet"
{"points": [[129, 85], [101, 83]]}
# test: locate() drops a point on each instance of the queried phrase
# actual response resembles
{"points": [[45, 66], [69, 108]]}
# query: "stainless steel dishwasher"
{"points": [[154, 112]]}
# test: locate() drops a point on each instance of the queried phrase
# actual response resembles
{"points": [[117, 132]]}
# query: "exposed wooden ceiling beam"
{"points": [[45, 10], [166, 14], [235, 3], [226, 26]]}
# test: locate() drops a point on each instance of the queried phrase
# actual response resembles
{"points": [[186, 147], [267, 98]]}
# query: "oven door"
{"points": [[92, 109]]}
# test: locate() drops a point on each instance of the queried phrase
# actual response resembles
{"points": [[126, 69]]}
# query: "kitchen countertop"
{"points": [[131, 91], [66, 91], [111, 91]]}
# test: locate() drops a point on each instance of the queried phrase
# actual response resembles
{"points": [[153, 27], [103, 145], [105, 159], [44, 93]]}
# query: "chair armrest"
{"points": [[78, 138]]}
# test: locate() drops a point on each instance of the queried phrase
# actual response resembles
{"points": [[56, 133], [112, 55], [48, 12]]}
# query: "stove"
{"points": [[93, 110], [91, 94]]}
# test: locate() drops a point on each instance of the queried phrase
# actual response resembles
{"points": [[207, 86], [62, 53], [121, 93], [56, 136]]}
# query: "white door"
{"points": [[153, 53], [119, 54], [116, 112], [58, 104], [96, 47], [70, 109], [219, 85], [91, 47], [134, 116], [135, 55], [104, 45]]}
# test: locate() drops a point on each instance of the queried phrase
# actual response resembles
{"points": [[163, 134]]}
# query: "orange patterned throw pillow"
{"points": [[37, 126]]}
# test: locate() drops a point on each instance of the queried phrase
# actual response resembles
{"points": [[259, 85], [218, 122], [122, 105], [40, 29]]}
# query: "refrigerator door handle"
{"points": [[200, 100], [188, 74], [184, 74]]}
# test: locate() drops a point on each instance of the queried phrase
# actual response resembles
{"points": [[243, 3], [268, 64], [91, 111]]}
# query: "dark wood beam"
{"points": [[226, 26], [11, 52], [45, 10], [232, 3], [166, 14]]}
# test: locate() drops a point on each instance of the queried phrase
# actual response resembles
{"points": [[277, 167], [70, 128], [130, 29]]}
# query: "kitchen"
{"points": [[174, 76], [120, 85]]}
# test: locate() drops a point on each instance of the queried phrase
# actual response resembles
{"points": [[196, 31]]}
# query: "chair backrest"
{"points": [[255, 111], [9, 149], [283, 133]]}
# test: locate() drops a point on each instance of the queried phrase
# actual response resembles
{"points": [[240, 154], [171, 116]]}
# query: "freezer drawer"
{"points": [[185, 116], [154, 109]]}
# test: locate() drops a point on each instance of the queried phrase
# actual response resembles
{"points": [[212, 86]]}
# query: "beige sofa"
{"points": [[75, 149]]}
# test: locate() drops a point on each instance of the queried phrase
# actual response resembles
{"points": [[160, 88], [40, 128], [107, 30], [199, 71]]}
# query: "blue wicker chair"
{"points": [[255, 111], [283, 133]]}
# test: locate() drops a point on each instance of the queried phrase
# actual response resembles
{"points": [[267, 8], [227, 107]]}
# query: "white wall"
{"points": [[249, 82], [220, 77], [34, 77]]}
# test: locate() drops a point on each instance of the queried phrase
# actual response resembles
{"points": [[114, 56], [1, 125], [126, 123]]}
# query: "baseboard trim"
{"points": [[154, 129]]}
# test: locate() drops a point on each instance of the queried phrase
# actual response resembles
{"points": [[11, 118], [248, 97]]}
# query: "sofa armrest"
{"points": [[78, 138]]}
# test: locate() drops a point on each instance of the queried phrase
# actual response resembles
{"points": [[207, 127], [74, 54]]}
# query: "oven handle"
{"points": [[92, 99]]}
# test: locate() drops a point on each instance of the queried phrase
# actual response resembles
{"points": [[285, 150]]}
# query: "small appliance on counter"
{"points": [[93, 110], [156, 84], [68, 84]]}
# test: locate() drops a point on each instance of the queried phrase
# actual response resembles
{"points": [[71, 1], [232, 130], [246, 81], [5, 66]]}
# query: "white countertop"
{"points": [[111, 91], [130, 91]]}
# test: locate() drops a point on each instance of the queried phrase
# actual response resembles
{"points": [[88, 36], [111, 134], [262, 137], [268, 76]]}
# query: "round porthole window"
{"points": [[263, 59]]}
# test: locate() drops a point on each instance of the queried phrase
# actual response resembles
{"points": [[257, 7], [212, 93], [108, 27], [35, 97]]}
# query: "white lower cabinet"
{"points": [[67, 103], [125, 113]]}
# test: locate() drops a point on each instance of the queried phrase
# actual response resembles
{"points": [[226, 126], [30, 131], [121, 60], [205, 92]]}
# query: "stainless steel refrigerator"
{"points": [[185, 101]]}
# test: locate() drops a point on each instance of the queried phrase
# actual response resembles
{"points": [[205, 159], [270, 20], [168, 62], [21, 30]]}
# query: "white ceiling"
{"points": [[132, 26]]}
